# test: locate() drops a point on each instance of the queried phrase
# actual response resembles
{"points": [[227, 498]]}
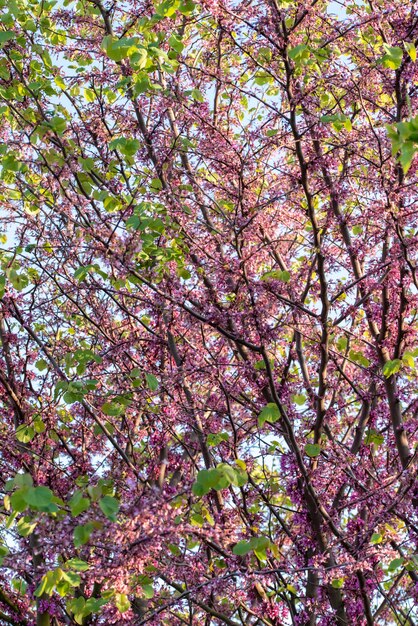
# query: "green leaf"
{"points": [[407, 153], [95, 492], [284, 276], [4, 70], [2, 285], [411, 50], [187, 7], [395, 564], [313, 449], [242, 548], [270, 413], [134, 221], [58, 124], [408, 359], [39, 426], [299, 54], [81, 273], [98, 430], [70, 397], [88, 164], [94, 604], [197, 95], [358, 357], [23, 480], [38, 497], [78, 504], [258, 545], [25, 433], [338, 121], [10, 164], [228, 472], [373, 437], [197, 520], [48, 582], [78, 564], [119, 49], [113, 409], [152, 381], [63, 588], [156, 184], [391, 367], [376, 538], [109, 506], [77, 606], [82, 534], [89, 95], [214, 439], [183, 273], [393, 57], [4, 551], [122, 603], [25, 526], [167, 8], [199, 489], [212, 479], [20, 586], [299, 399], [139, 58], [130, 147], [72, 578], [19, 281], [219, 478], [18, 500], [148, 591], [205, 481], [176, 44], [7, 35], [263, 78]]}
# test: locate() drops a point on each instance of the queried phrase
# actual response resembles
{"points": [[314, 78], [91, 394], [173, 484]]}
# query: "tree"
{"points": [[208, 314]]}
